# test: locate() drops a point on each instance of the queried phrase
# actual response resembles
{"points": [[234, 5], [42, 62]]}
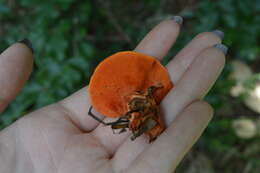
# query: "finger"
{"points": [[161, 38], [157, 44], [184, 58], [194, 84], [15, 67], [196, 81], [168, 150]]}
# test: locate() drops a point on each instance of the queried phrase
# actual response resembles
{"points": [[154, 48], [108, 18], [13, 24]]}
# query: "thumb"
{"points": [[15, 67]]}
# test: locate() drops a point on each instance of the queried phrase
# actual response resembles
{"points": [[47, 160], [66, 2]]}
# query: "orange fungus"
{"points": [[119, 76], [120, 80]]}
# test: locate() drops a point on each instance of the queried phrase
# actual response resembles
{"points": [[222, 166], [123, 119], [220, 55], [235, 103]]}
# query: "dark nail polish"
{"points": [[221, 47], [177, 19], [28, 43], [219, 33]]}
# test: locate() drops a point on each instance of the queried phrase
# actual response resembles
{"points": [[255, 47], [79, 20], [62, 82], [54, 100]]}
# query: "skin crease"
{"points": [[61, 138]]}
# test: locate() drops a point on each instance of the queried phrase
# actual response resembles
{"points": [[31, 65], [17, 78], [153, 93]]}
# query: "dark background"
{"points": [[71, 37]]}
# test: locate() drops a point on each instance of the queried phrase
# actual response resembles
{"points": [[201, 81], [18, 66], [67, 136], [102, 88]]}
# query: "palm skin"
{"points": [[55, 144], [62, 138]]}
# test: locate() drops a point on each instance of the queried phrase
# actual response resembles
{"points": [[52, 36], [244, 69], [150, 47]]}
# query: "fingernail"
{"points": [[221, 47], [28, 43], [177, 19], [219, 33]]}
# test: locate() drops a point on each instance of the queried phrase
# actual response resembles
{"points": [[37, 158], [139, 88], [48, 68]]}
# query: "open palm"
{"points": [[63, 138]]}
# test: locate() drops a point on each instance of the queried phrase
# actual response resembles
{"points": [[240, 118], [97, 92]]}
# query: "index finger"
{"points": [[161, 38]]}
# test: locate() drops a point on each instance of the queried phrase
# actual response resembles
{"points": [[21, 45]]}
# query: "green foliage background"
{"points": [[71, 37]]}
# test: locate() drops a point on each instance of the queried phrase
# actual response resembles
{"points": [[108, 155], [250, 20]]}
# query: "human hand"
{"points": [[63, 138]]}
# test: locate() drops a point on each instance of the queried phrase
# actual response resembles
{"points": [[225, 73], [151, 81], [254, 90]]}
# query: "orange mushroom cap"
{"points": [[121, 75]]}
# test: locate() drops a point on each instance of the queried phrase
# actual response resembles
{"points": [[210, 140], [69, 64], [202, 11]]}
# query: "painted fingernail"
{"points": [[219, 33], [221, 47], [177, 19], [28, 43]]}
